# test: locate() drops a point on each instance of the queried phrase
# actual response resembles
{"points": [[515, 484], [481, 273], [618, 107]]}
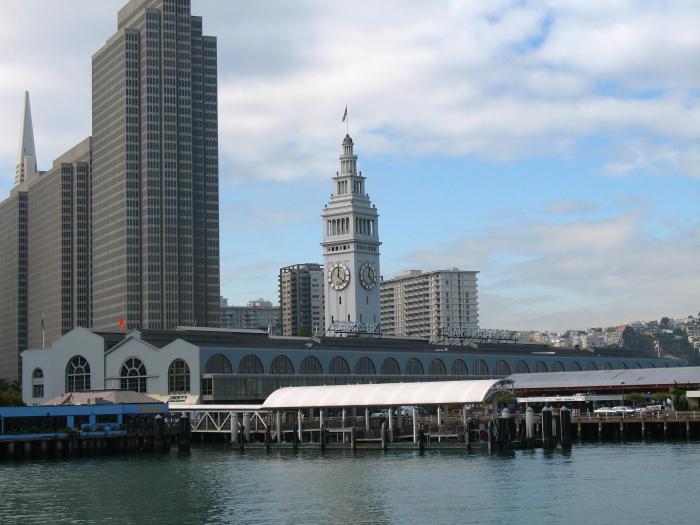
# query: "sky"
{"points": [[553, 146]]}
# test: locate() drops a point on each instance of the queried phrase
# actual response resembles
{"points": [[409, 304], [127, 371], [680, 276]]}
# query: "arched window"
{"points": [[522, 368], [607, 366], [77, 374], [390, 367], [37, 383], [178, 377], [365, 367], [666, 365], [592, 366], [250, 364], [540, 367], [281, 365], [558, 367], [480, 368], [414, 368], [459, 368], [638, 365], [437, 368], [218, 364], [339, 366], [502, 368], [652, 365], [623, 366], [575, 366], [133, 375], [311, 365]]}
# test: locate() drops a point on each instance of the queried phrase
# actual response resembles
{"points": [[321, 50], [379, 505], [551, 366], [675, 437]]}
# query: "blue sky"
{"points": [[552, 146]]}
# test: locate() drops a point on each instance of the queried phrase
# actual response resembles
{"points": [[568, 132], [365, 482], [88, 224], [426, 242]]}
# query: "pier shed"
{"points": [[385, 394]]}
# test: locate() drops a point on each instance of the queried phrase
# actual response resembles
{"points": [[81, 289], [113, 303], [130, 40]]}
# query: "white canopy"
{"points": [[384, 394]]}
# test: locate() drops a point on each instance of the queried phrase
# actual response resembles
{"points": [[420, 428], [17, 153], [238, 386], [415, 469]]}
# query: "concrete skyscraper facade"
{"points": [[430, 304], [155, 171], [58, 219], [351, 250]]}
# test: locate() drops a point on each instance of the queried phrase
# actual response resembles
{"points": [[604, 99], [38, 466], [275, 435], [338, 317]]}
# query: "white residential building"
{"points": [[429, 304]]}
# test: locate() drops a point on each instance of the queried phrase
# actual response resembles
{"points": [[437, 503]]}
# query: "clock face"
{"points": [[338, 276], [368, 276]]}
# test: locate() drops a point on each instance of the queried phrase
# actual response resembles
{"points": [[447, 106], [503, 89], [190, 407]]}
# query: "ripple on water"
{"points": [[606, 483]]}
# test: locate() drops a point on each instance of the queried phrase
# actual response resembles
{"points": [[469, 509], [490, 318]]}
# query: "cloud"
{"points": [[578, 273], [501, 80], [570, 207], [646, 157]]}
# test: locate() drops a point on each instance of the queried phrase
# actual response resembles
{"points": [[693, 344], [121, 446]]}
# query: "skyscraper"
{"points": [[26, 156], [155, 171], [13, 282], [301, 299], [58, 225], [430, 304]]}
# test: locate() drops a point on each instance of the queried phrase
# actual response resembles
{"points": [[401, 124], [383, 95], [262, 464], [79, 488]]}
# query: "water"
{"points": [[595, 483]]}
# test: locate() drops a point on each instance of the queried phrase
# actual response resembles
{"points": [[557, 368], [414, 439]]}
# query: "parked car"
{"points": [[605, 411], [624, 410], [651, 409]]}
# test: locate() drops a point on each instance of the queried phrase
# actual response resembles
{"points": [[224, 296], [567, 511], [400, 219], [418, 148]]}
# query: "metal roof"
{"points": [[607, 378], [384, 394]]}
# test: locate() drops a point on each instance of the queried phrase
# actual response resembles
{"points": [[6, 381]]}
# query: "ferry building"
{"points": [[199, 365]]}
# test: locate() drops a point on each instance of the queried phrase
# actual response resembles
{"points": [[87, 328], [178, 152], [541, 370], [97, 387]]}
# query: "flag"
{"points": [[43, 324], [121, 324], [345, 115]]}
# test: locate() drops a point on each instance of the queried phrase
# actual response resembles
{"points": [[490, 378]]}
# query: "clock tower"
{"points": [[351, 251]]}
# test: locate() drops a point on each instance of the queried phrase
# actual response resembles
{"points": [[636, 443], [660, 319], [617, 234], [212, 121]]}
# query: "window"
{"points": [[558, 367], [133, 375], [414, 368], [623, 366], [592, 366], [481, 368], [339, 366], [365, 366], [459, 368], [522, 368], [502, 368], [37, 383], [390, 367], [218, 364], [437, 368], [178, 377], [281, 365], [607, 366], [575, 366], [250, 364], [77, 374], [311, 365], [541, 367]]}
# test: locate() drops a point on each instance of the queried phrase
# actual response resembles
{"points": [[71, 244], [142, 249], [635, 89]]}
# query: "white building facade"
{"points": [[431, 305], [351, 251]]}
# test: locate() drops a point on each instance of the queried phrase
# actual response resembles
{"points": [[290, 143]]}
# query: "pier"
{"points": [[85, 430]]}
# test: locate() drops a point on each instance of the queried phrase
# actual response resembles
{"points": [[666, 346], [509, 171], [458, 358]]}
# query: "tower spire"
{"points": [[26, 156]]}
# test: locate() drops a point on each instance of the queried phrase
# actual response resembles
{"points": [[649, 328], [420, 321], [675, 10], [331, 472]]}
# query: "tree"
{"points": [[664, 323], [10, 393]]}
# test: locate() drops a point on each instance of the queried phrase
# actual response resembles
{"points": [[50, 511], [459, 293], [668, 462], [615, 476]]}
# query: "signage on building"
{"points": [[479, 334], [352, 327]]}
